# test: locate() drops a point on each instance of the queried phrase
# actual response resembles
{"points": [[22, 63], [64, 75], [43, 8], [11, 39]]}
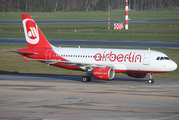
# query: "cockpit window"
{"points": [[163, 58], [158, 58], [166, 58]]}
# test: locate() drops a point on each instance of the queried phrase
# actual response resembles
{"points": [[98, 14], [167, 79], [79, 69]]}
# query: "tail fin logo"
{"points": [[31, 31]]}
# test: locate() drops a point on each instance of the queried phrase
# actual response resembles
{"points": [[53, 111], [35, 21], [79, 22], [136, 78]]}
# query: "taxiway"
{"points": [[55, 97], [92, 21], [99, 43]]}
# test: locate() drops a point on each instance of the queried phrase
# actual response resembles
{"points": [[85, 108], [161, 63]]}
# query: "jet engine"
{"points": [[105, 73]]}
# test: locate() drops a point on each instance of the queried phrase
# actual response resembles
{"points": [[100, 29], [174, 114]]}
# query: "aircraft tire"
{"points": [[86, 79], [89, 79], [151, 81]]}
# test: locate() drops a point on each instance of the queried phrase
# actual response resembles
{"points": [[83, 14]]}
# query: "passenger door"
{"points": [[48, 54]]}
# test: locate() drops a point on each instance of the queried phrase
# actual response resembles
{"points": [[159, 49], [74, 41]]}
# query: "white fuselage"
{"points": [[130, 60]]}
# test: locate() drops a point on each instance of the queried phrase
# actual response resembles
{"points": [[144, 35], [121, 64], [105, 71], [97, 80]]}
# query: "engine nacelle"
{"points": [[105, 73], [137, 75]]}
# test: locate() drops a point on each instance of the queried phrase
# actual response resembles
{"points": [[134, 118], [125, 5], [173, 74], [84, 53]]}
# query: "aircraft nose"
{"points": [[173, 66]]}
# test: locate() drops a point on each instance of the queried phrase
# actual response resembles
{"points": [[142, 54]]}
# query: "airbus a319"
{"points": [[99, 63]]}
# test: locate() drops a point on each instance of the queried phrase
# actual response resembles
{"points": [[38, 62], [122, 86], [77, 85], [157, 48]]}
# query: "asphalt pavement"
{"points": [[56, 97]]}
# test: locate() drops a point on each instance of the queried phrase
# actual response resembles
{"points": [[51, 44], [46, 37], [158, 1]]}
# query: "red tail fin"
{"points": [[34, 36]]}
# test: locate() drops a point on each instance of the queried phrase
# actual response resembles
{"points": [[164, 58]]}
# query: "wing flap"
{"points": [[74, 63]]}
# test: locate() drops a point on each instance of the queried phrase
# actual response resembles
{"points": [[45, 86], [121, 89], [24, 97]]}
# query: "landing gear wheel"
{"points": [[86, 79], [151, 81], [89, 79]]}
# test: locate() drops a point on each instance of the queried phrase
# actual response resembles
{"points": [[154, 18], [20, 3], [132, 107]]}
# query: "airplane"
{"points": [[99, 63]]}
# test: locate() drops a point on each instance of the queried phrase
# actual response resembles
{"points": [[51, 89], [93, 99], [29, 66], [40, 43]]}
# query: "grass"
{"points": [[157, 31], [14, 63], [95, 15]]}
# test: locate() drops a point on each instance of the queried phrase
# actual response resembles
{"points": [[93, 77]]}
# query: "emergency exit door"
{"points": [[146, 58]]}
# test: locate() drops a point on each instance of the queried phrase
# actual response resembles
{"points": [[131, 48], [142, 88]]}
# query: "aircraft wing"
{"points": [[77, 64]]}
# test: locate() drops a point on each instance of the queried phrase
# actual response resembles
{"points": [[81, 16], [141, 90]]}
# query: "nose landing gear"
{"points": [[151, 81]]}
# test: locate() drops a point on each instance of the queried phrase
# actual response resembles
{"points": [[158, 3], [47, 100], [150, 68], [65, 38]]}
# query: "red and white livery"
{"points": [[99, 63]]}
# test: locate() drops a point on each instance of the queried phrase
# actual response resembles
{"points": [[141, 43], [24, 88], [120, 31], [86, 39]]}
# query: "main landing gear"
{"points": [[150, 79], [86, 79], [89, 72]]}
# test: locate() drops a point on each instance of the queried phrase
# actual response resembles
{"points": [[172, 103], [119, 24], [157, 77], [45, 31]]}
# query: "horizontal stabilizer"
{"points": [[20, 52], [51, 62], [25, 59]]}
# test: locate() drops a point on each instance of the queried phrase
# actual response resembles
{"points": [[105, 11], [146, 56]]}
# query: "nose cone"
{"points": [[173, 66]]}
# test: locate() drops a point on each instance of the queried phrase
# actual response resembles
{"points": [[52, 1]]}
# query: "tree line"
{"points": [[85, 5]]}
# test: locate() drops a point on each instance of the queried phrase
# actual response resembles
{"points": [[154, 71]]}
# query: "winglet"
{"points": [[25, 59]]}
